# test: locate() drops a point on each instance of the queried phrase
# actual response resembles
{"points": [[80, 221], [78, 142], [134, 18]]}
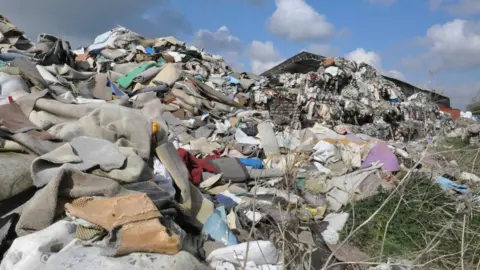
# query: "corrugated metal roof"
{"points": [[304, 62]]}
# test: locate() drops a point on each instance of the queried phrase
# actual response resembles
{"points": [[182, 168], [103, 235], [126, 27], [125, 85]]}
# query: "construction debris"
{"points": [[146, 153]]}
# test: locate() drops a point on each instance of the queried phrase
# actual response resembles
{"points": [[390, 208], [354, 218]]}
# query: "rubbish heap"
{"points": [[355, 96], [146, 153]]}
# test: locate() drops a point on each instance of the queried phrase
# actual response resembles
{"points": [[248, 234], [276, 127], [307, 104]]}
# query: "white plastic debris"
{"points": [[77, 257], [336, 222], [162, 178], [401, 152], [222, 127], [323, 151], [291, 198], [287, 140], [260, 253], [34, 250], [330, 236], [250, 266], [469, 176], [234, 198], [322, 168], [211, 181], [241, 137], [254, 216]]}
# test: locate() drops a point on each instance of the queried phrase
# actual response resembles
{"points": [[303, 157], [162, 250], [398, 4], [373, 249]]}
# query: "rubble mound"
{"points": [[147, 153]]}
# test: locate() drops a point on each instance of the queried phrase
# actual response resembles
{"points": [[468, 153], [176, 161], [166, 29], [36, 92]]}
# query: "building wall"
{"points": [[454, 113]]}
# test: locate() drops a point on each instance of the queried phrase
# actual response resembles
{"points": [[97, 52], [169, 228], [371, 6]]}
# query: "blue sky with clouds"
{"points": [[430, 43]]}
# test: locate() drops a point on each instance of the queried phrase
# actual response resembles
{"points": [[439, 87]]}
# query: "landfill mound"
{"points": [[146, 153]]}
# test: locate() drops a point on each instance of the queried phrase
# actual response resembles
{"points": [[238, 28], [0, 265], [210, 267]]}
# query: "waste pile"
{"points": [[146, 153], [343, 92]]}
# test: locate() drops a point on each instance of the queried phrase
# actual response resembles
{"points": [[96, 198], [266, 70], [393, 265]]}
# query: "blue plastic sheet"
{"points": [[255, 163], [117, 91], [448, 184], [233, 80], [10, 56], [226, 201], [149, 50], [216, 226]]}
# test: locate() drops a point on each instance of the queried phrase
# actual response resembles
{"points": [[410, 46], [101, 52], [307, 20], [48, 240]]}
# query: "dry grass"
{"points": [[424, 225], [421, 222]]}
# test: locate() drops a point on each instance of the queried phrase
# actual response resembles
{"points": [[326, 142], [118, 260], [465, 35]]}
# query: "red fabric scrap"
{"points": [[196, 165], [216, 154]]}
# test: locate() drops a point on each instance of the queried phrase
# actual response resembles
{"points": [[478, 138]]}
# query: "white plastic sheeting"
{"points": [[33, 251], [76, 257], [12, 85], [260, 253], [336, 222]]}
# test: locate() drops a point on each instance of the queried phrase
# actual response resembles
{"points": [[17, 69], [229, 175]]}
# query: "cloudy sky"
{"points": [[430, 43]]}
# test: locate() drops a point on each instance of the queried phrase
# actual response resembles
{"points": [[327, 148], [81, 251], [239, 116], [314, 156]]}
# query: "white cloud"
{"points": [[222, 42], [219, 41], [258, 67], [381, 2], [453, 45], [321, 49], [372, 58], [297, 21], [360, 55], [263, 56]]}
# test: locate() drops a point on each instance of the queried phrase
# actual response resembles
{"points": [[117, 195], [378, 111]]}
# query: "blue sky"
{"points": [[409, 39]]}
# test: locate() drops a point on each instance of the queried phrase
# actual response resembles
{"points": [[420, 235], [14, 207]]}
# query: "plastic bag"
{"points": [[216, 226]]}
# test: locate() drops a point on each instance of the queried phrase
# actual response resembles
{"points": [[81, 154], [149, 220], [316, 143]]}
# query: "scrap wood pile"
{"points": [[141, 153]]}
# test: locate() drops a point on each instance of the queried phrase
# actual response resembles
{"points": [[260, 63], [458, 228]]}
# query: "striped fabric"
{"points": [[87, 233]]}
